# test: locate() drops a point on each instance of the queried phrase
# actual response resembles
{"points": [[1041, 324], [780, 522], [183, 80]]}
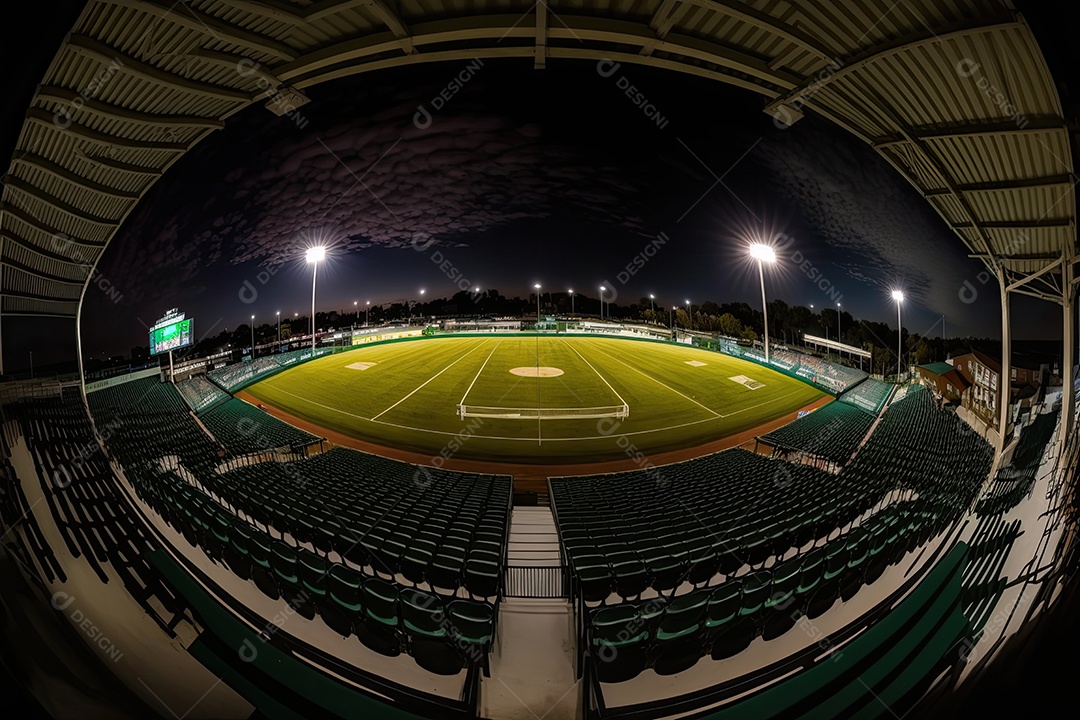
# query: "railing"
{"points": [[542, 581]]}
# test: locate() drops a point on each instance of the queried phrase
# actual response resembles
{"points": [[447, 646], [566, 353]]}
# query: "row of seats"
{"points": [[870, 395], [832, 432], [622, 534], [440, 528], [200, 394], [233, 377], [21, 533], [981, 578], [671, 634], [1015, 481], [442, 634], [82, 495], [243, 428]]}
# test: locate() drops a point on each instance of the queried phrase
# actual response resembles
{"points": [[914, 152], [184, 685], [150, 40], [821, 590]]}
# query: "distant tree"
{"points": [[730, 325]]}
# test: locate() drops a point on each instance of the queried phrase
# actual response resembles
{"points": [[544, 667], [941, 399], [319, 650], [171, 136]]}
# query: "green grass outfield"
{"points": [[408, 398]]}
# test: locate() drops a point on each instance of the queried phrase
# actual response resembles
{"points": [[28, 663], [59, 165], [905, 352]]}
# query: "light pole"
{"points": [[690, 315], [671, 317], [278, 327], [537, 287], [839, 337], [898, 296], [571, 301], [763, 254], [652, 304], [315, 255], [367, 317], [356, 311], [602, 291], [252, 337]]}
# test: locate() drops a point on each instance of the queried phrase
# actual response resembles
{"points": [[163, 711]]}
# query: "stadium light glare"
{"points": [[898, 296], [316, 254], [762, 252]]}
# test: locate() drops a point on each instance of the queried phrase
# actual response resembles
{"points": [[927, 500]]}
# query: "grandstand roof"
{"points": [[938, 368], [956, 95]]}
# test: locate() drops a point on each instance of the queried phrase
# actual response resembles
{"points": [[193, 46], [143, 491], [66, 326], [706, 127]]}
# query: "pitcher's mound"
{"points": [[533, 371]]}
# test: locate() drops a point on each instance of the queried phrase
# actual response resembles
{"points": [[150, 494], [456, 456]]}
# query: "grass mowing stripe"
{"points": [[479, 371], [571, 346], [461, 357], [658, 382]]}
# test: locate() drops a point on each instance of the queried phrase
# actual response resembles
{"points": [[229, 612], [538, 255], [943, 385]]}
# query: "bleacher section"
{"points": [[242, 428], [22, 534], [726, 513], [1014, 482], [234, 377], [623, 534], [200, 394], [81, 493], [870, 395], [409, 559], [833, 377], [832, 432]]}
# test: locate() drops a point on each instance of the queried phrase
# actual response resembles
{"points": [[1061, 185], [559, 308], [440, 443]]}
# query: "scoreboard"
{"points": [[172, 332]]}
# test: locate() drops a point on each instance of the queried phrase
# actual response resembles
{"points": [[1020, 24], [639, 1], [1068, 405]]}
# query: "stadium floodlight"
{"points": [[602, 291], [367, 318], [690, 310], [652, 304], [898, 296], [252, 337], [278, 327], [763, 254], [571, 301], [314, 255], [537, 286]]}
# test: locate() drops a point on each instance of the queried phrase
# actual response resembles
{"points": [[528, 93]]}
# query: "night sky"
{"points": [[524, 176]]}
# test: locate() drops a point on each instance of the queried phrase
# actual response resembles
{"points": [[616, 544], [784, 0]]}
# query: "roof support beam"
{"points": [[1027, 280], [34, 296], [1017, 184], [1018, 224], [115, 112], [62, 173], [662, 20], [37, 273], [349, 57], [89, 47], [270, 9], [540, 61], [20, 185], [20, 214], [389, 18], [43, 118], [116, 164], [854, 63], [763, 21], [1036, 124], [48, 254], [185, 15]]}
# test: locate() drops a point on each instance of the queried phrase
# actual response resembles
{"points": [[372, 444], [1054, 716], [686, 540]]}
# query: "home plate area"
{"points": [[360, 365], [743, 380]]}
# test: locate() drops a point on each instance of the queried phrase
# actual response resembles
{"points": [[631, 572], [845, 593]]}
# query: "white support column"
{"points": [[1068, 338], [1004, 384]]}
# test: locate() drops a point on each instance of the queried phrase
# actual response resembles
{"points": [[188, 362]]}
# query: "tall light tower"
{"points": [[839, 337], [252, 337], [652, 304], [602, 291], [279, 328], [690, 314], [537, 287], [898, 296], [671, 317], [571, 301], [367, 317], [763, 254], [315, 255]]}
